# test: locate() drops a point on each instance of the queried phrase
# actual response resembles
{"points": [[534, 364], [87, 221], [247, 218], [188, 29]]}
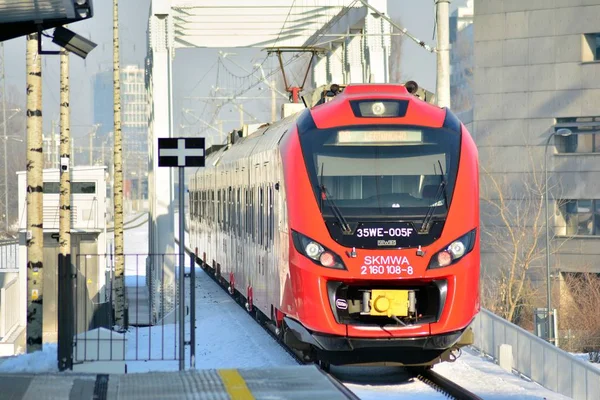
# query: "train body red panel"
{"points": [[353, 226]]}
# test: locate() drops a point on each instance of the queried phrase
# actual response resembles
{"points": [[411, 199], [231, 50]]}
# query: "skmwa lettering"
{"points": [[386, 260]]}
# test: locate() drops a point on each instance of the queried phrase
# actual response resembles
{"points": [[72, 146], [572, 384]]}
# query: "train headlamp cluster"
{"points": [[454, 251], [379, 108], [316, 252]]}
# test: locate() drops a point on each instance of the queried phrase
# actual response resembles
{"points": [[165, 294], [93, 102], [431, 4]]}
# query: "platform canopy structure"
{"points": [[355, 36], [22, 17]]}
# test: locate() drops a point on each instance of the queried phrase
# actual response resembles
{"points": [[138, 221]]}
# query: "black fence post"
{"points": [[192, 311], [65, 313]]}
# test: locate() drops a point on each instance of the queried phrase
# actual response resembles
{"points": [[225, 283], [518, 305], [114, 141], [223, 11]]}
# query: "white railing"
{"points": [[537, 359], [9, 307], [9, 255]]}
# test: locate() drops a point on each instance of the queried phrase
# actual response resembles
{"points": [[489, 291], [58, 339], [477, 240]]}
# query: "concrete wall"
{"points": [[529, 70]]}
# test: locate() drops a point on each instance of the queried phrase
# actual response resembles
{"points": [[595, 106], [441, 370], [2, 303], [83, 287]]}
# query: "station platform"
{"points": [[294, 382]]}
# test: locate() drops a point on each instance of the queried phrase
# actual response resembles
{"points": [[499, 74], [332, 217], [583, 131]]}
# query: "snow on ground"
{"points": [[227, 337], [470, 371], [586, 357], [487, 379], [37, 362]]}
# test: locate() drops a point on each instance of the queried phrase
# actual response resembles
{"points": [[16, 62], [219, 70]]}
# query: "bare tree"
{"points": [[513, 230], [579, 312]]}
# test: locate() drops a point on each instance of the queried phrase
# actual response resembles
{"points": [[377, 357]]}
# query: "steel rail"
{"points": [[446, 386]]}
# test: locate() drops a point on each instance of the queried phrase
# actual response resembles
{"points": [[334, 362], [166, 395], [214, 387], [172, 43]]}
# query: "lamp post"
{"points": [[560, 132]]}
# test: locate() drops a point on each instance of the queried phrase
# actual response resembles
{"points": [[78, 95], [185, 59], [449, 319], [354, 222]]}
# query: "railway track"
{"points": [[427, 376]]}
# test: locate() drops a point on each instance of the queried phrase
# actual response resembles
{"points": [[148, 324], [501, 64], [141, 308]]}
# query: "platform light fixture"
{"points": [[73, 42], [83, 8]]}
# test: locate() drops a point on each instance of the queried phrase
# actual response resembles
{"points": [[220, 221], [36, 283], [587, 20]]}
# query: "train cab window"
{"points": [[380, 171]]}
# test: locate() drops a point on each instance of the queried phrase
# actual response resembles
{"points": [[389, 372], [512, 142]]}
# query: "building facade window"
{"points": [[591, 47], [585, 137], [582, 217], [76, 187]]}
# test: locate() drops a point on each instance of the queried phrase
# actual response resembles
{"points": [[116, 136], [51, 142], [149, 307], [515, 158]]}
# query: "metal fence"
{"points": [[9, 255], [537, 359], [9, 307], [147, 335]]}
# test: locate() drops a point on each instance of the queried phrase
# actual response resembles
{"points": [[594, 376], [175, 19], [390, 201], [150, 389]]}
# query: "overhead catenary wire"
{"points": [[230, 79]]}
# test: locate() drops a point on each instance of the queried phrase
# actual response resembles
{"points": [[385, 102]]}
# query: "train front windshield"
{"points": [[382, 172]]}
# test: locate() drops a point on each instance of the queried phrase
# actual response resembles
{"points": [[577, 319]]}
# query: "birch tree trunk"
{"points": [[35, 228], [66, 324], [118, 178]]}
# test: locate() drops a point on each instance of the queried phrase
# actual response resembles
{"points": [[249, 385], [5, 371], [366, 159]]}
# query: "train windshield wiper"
{"points": [[441, 191], [325, 196]]}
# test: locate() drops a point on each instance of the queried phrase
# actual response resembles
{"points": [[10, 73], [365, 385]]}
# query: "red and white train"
{"points": [[351, 227]]}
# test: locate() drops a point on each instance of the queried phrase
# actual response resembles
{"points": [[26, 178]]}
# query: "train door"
{"points": [[273, 250], [219, 223], [239, 243], [249, 224]]}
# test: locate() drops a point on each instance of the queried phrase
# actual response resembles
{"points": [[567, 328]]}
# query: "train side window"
{"points": [[219, 207], [191, 202], [233, 212], [252, 217], [271, 215], [239, 213], [224, 198], [213, 209], [232, 208], [196, 201], [261, 209], [229, 200], [194, 196], [244, 211]]}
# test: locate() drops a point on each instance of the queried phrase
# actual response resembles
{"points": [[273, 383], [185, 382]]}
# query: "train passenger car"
{"points": [[351, 227]]}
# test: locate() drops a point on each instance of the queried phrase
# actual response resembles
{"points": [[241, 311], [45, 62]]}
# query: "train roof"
{"points": [[258, 141], [266, 137]]}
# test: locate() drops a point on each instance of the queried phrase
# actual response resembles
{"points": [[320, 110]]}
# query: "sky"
{"points": [[190, 65]]}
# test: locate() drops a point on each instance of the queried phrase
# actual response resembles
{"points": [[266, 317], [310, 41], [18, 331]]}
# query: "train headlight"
{"points": [[378, 108], [454, 251], [313, 250], [316, 252]]}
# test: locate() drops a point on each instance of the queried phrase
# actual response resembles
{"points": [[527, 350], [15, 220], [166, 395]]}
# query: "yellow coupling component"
{"points": [[389, 302]]}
